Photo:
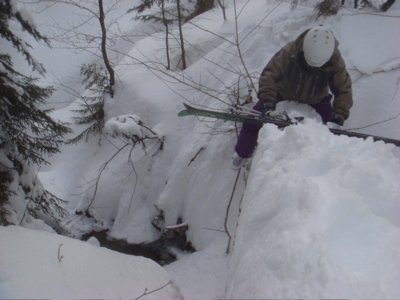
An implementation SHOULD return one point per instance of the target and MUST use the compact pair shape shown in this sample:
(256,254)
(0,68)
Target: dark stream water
(159,250)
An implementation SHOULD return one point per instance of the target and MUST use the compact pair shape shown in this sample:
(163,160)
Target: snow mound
(125,125)
(40,265)
(320,219)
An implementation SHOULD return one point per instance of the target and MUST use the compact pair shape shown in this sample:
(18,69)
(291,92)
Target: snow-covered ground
(318,213)
(42,265)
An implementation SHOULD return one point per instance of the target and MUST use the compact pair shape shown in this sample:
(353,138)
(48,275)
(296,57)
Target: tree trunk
(222,5)
(104,48)
(165,22)
(178,4)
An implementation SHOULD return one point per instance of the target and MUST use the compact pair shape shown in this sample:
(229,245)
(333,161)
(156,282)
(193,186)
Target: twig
(133,141)
(147,292)
(227,213)
(237,42)
(393,67)
(157,67)
(197,154)
(212,33)
(377,71)
(136,175)
(261,21)
(376,123)
(100,173)
(245,177)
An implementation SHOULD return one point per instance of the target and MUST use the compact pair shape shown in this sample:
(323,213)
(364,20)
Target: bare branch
(101,172)
(391,67)
(376,123)
(227,213)
(238,48)
(195,156)
(147,292)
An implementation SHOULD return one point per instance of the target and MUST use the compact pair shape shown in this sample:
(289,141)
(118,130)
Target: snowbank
(40,265)
(319,220)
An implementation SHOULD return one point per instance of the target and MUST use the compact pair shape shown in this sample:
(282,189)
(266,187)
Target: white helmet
(318,46)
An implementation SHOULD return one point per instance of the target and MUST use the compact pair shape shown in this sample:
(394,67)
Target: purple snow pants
(248,136)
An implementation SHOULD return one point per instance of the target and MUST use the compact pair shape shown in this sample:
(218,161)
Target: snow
(312,216)
(39,265)
(198,275)
(126,125)
(318,233)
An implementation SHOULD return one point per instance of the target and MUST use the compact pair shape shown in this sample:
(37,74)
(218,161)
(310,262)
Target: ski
(280,119)
(236,115)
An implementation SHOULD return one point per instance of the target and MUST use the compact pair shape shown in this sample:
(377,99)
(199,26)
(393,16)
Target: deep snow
(319,213)
(42,265)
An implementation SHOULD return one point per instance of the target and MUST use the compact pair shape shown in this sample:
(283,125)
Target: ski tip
(183,113)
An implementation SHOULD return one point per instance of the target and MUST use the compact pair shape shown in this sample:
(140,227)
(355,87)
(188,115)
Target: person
(306,70)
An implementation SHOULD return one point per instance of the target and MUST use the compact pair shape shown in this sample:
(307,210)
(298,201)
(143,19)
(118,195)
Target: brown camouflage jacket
(288,77)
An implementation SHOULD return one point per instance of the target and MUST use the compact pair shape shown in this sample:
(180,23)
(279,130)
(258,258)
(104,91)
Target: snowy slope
(319,212)
(41,265)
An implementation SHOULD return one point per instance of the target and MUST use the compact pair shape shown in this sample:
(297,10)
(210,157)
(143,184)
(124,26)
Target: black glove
(267,105)
(339,120)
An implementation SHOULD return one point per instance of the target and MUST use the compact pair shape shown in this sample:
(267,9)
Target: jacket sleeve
(272,76)
(340,85)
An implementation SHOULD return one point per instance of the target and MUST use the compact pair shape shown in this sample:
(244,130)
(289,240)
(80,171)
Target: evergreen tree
(27,132)
(91,111)
(98,78)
